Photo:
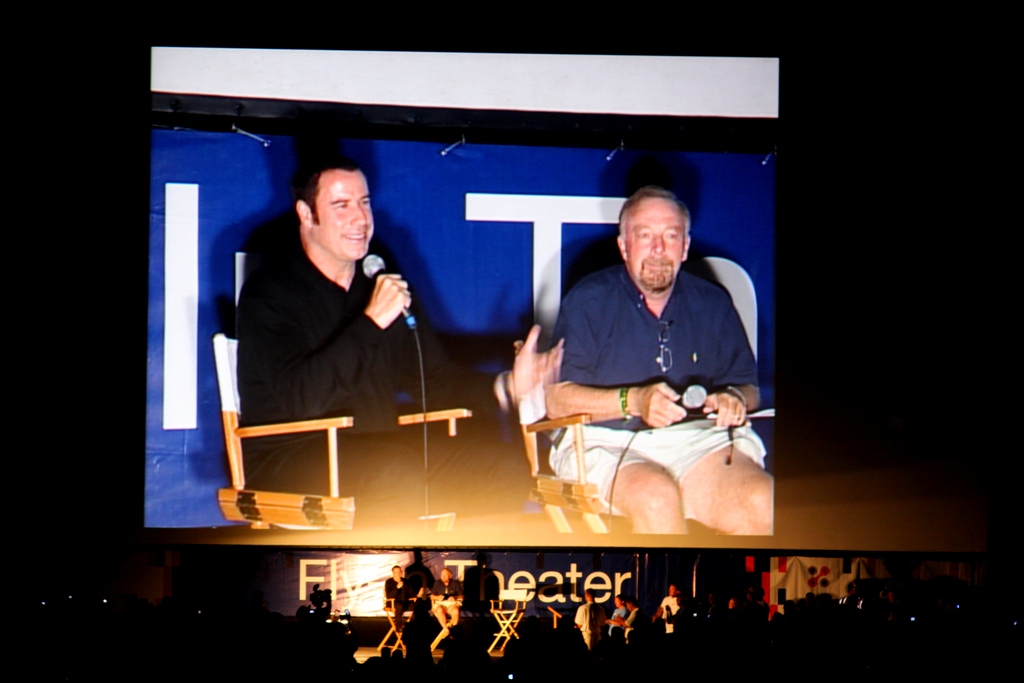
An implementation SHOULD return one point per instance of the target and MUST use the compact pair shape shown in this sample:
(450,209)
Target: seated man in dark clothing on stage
(398,590)
(320,338)
(636,337)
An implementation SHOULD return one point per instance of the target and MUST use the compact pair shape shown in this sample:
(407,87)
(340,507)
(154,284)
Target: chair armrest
(330,424)
(294,427)
(574,421)
(436,416)
(545,425)
(530,435)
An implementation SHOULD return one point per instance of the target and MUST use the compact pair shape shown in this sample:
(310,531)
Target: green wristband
(623,394)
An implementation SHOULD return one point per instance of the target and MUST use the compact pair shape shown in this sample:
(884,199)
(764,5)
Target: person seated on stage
(636,337)
(447,597)
(590,620)
(395,588)
(319,337)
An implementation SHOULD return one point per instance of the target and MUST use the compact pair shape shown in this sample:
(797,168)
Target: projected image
(386,343)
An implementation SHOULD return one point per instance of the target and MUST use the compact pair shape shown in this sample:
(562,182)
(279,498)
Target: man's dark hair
(306,180)
(589,592)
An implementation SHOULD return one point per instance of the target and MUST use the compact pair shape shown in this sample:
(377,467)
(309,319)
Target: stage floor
(364,653)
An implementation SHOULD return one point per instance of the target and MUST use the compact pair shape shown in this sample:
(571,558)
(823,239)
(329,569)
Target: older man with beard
(635,338)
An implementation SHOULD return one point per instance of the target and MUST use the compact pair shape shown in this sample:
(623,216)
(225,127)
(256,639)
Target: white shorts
(676,448)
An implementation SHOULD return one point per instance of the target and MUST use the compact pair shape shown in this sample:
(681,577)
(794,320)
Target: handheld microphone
(694,397)
(374,265)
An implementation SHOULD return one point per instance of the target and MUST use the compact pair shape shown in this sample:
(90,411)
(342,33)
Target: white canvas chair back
(518,594)
(737,282)
(225,355)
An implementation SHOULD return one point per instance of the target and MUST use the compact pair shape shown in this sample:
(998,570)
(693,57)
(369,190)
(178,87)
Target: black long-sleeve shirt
(306,350)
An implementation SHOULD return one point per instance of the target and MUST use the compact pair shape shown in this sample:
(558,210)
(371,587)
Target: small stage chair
(444,631)
(389,610)
(507,617)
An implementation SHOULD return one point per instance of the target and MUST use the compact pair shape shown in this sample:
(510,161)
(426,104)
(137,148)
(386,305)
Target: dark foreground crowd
(888,629)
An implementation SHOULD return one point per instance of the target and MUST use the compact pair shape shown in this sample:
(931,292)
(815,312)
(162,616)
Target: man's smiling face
(339,228)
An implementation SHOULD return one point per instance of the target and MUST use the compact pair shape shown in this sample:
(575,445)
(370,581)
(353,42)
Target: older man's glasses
(664,358)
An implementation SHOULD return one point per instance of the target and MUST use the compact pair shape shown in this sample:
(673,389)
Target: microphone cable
(423,403)
(372,266)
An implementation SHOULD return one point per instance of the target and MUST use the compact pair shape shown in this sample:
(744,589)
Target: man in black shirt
(318,338)
(397,589)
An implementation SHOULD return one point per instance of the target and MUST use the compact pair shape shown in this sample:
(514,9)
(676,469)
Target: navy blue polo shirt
(612,340)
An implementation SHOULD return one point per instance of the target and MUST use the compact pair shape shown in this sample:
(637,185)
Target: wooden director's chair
(558,495)
(507,618)
(389,610)
(265,508)
(444,631)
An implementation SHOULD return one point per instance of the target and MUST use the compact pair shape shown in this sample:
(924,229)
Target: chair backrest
(518,594)
(245,264)
(225,355)
(737,282)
